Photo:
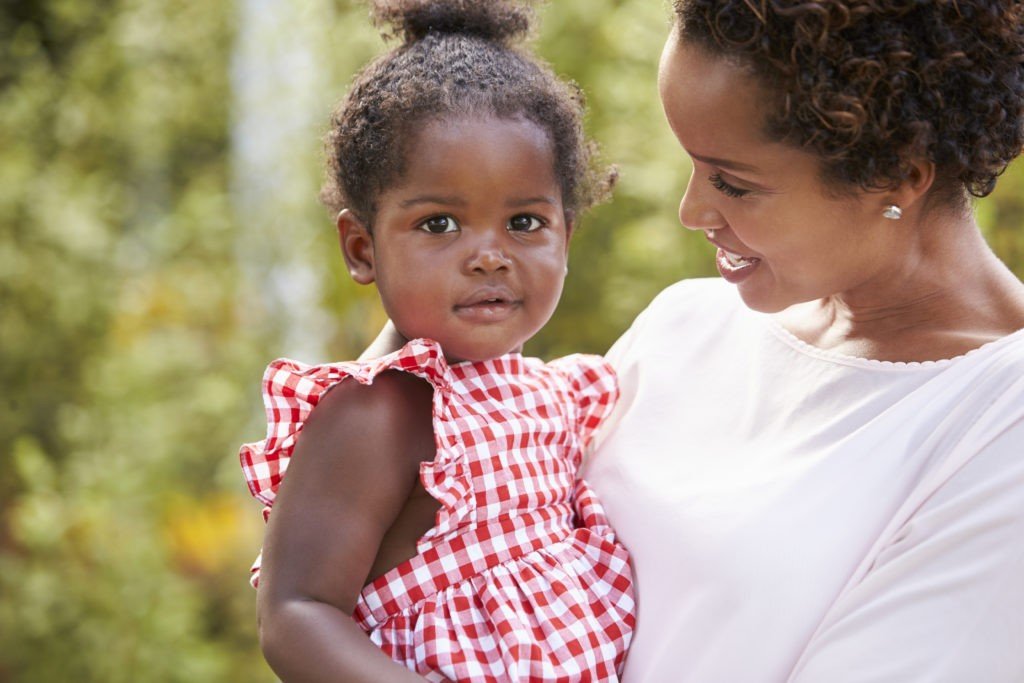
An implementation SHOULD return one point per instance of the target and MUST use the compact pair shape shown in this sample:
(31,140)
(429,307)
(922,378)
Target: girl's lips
(487,311)
(488,305)
(487,294)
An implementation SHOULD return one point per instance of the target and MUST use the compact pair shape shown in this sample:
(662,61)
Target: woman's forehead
(710,100)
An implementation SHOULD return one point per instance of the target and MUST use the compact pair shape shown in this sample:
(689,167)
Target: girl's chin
(473,351)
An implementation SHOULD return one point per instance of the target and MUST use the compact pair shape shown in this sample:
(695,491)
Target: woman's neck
(953,295)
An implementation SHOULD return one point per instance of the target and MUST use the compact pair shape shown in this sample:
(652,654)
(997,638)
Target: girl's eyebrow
(432,199)
(527,201)
(459,201)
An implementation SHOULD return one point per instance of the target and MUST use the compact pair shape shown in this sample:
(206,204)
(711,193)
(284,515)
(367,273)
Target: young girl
(432,503)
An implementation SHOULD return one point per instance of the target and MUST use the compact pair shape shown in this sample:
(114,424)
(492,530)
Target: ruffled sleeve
(595,390)
(292,389)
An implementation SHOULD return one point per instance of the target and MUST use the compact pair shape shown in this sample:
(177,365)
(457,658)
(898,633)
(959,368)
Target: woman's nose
(695,212)
(487,255)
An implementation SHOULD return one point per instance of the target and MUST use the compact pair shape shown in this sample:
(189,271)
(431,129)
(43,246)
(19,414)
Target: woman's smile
(732,266)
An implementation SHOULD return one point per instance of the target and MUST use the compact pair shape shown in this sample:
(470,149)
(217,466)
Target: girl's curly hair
(456,58)
(869,85)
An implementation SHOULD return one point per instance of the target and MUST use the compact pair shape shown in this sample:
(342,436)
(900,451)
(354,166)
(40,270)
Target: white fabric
(798,515)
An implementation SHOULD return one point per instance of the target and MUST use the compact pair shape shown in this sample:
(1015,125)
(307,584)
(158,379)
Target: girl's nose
(695,212)
(487,256)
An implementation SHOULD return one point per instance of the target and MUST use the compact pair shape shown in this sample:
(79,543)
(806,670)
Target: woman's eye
(525,223)
(725,188)
(439,224)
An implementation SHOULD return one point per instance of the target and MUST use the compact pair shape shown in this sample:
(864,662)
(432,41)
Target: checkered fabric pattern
(521,578)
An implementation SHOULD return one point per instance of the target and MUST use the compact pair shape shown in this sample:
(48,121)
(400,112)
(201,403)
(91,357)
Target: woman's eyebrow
(724,163)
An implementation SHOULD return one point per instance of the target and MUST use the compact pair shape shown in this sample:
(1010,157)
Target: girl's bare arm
(354,466)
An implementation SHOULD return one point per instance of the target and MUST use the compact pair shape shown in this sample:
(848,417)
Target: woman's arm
(945,600)
(389,340)
(355,464)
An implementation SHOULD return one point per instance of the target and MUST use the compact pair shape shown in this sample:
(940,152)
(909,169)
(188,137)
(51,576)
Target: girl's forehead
(480,130)
(476,160)
(491,145)
(474,163)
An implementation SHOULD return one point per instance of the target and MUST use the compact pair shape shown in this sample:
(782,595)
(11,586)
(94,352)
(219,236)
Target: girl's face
(469,248)
(782,239)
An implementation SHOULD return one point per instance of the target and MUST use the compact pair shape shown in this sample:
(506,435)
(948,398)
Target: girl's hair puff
(457,58)
(870,85)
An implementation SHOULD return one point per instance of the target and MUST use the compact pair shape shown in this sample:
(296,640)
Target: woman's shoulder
(707,298)
(696,307)
(697,290)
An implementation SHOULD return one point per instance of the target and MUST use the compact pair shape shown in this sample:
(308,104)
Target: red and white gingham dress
(521,578)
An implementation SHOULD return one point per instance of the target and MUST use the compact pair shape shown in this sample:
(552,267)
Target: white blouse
(799,515)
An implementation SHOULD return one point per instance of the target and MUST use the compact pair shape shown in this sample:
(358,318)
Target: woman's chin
(767,298)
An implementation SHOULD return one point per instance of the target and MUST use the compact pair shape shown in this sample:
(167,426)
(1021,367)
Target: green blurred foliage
(142,290)
(124,363)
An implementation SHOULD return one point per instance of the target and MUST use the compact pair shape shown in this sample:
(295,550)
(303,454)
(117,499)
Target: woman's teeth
(735,260)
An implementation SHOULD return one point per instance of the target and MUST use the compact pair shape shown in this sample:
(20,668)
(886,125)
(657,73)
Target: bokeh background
(161,242)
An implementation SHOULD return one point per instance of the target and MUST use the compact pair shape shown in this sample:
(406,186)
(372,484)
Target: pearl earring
(710,234)
(893,212)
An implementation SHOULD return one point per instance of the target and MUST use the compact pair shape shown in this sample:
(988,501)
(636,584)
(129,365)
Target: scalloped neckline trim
(509,364)
(805,348)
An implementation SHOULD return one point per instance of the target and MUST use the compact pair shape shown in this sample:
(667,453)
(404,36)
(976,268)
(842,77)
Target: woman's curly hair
(869,85)
(457,58)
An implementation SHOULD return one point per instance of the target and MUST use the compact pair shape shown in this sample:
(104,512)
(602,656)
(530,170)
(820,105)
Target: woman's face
(782,238)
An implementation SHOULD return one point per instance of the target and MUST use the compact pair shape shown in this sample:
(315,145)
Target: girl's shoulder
(292,389)
(421,357)
(581,367)
(588,376)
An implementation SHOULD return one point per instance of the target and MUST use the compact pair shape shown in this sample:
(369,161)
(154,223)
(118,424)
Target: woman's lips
(732,266)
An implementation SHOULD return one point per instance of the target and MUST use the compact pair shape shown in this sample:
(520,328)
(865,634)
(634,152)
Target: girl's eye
(525,223)
(725,188)
(438,225)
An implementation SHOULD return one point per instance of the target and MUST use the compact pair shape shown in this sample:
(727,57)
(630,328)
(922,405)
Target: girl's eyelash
(451,225)
(540,221)
(425,224)
(725,188)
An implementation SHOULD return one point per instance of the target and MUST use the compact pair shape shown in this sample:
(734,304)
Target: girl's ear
(357,247)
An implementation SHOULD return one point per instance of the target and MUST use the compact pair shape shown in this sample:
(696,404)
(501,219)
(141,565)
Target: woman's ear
(914,187)
(357,247)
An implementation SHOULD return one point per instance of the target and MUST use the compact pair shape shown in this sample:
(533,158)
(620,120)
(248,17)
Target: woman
(817,461)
